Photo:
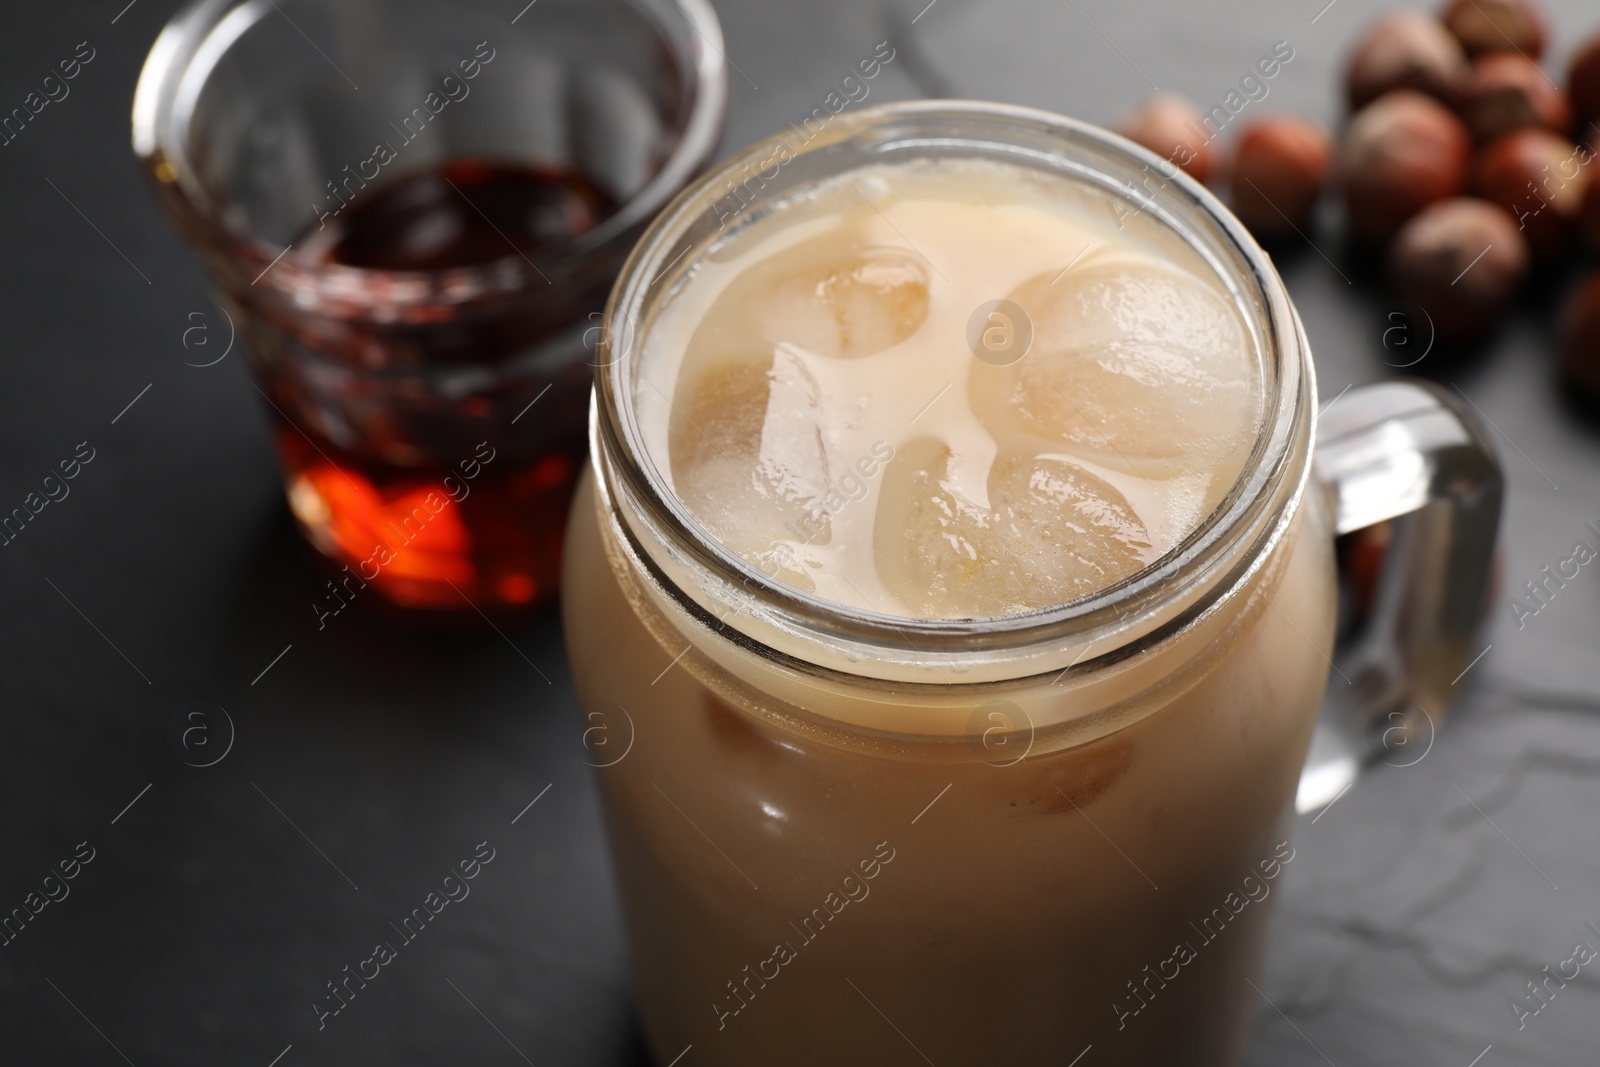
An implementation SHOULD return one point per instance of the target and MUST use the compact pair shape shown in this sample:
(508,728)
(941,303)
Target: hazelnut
(1580,337)
(1402,152)
(1583,80)
(1405,50)
(1538,176)
(1279,172)
(1496,26)
(1506,91)
(1173,128)
(1461,260)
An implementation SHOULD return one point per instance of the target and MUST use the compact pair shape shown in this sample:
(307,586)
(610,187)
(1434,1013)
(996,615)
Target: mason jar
(849,838)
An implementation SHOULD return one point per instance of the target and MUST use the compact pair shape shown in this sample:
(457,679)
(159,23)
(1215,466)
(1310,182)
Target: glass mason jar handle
(1415,490)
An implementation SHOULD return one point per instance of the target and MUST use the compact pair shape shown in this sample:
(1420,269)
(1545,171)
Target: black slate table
(211,904)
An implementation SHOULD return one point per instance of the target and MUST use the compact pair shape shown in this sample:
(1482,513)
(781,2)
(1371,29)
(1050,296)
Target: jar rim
(1225,548)
(203,30)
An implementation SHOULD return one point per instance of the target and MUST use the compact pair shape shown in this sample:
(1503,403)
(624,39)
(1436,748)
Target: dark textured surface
(207,922)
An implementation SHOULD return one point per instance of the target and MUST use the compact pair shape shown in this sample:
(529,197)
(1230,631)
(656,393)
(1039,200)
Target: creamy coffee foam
(815,395)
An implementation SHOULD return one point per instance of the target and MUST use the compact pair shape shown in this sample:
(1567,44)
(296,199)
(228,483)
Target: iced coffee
(950,615)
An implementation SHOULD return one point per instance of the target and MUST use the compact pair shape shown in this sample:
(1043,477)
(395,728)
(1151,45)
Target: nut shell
(1496,26)
(1405,50)
(1580,337)
(1401,153)
(1280,169)
(1462,260)
(1583,80)
(1506,92)
(1539,177)
(1172,127)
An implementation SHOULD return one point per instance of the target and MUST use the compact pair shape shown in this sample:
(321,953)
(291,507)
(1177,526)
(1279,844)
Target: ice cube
(832,296)
(745,436)
(876,298)
(1053,532)
(747,457)
(1133,364)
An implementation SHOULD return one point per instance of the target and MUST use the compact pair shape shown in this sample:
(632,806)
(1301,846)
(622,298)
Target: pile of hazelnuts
(1463,163)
